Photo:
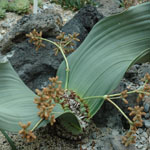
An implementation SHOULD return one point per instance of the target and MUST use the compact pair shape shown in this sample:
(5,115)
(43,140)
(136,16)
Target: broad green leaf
(16,101)
(70,123)
(113,45)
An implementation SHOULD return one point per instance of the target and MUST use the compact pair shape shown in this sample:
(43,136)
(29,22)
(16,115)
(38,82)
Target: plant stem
(65,58)
(94,97)
(119,94)
(143,92)
(130,122)
(37,124)
(131,92)
(115,96)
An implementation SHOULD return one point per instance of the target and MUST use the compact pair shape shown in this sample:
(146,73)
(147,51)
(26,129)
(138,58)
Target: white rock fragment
(144,134)
(1,37)
(140,146)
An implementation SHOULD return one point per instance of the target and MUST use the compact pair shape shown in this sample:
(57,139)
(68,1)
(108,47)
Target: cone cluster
(66,42)
(47,99)
(27,134)
(35,39)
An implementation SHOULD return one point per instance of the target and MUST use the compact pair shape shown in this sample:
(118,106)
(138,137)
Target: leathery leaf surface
(112,46)
(16,101)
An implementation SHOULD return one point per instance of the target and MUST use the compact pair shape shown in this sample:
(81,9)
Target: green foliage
(4,4)
(2,13)
(99,64)
(19,6)
(73,4)
(14,93)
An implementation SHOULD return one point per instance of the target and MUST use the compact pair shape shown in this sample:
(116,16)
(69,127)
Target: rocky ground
(106,128)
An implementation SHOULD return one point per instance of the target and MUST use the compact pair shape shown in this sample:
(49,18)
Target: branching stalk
(119,94)
(65,58)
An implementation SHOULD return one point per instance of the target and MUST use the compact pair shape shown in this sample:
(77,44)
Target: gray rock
(6,25)
(48,23)
(116,144)
(131,74)
(146,107)
(144,68)
(83,22)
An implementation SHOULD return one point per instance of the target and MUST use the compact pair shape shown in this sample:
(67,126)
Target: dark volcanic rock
(36,67)
(83,22)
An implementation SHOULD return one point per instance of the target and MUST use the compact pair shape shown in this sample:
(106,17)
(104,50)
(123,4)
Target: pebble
(146,107)
(3,31)
(144,134)
(139,131)
(143,140)
(45,7)
(94,135)
(147,123)
(140,146)
(147,116)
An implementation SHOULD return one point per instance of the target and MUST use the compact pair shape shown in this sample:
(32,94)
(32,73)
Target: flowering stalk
(62,46)
(66,61)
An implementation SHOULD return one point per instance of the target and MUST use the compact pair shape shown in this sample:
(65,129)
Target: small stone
(147,123)
(139,131)
(143,140)
(147,116)
(45,7)
(3,32)
(146,107)
(144,134)
(94,135)
(140,146)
